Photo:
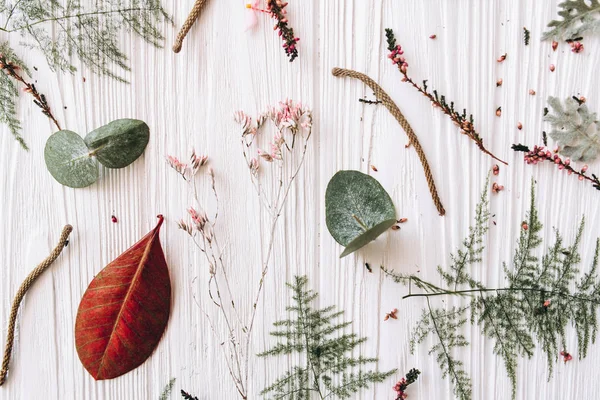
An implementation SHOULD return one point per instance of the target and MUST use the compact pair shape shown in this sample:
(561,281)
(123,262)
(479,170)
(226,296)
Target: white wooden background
(188,100)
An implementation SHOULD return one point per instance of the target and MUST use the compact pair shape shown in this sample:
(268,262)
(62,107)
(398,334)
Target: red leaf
(125,310)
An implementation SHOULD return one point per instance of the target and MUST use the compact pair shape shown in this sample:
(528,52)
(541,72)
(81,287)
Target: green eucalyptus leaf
(68,160)
(119,143)
(357,209)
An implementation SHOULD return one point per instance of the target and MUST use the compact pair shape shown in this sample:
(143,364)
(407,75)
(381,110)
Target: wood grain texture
(188,100)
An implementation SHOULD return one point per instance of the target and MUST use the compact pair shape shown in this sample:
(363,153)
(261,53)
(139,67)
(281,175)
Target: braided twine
(187,25)
(381,95)
(27,283)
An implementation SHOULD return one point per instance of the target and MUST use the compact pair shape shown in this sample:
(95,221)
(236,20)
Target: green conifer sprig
(326,368)
(543,296)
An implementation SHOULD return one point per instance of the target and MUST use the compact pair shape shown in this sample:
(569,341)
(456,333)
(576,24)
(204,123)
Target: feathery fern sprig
(9,92)
(542,298)
(166,393)
(90,33)
(578,18)
(326,368)
(62,30)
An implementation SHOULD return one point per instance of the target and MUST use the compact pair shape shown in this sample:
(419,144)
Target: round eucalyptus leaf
(119,143)
(357,209)
(68,160)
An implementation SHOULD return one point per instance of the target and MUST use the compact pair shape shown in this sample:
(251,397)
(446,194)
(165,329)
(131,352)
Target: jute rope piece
(21,293)
(386,100)
(187,25)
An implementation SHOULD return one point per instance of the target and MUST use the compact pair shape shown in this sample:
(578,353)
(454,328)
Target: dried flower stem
(387,101)
(294,124)
(11,69)
(466,124)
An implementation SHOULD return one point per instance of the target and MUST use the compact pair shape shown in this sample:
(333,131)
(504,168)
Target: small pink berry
(552,67)
(584,169)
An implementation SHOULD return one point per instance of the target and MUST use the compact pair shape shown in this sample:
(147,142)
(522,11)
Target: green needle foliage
(325,365)
(166,393)
(542,297)
(9,93)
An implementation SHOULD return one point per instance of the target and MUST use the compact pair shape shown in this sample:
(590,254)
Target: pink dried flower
(177,165)
(554,45)
(265,155)
(397,59)
(496,169)
(197,162)
(502,58)
(432,37)
(497,188)
(576,47)
(252,18)
(254,166)
(552,67)
(249,125)
(532,92)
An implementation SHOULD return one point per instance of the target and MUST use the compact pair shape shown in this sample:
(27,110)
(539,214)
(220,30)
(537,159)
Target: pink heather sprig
(397,59)
(276,9)
(541,154)
(462,120)
(401,386)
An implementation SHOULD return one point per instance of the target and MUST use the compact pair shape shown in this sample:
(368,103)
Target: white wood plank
(188,100)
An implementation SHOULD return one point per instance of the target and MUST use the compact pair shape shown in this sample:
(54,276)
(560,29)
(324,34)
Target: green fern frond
(326,367)
(472,246)
(445,326)
(89,33)
(542,299)
(578,18)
